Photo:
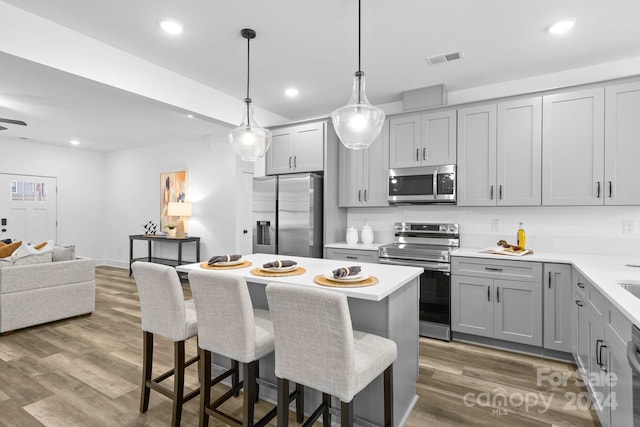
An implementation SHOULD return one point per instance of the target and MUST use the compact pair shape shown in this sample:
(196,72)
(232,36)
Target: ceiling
(309,45)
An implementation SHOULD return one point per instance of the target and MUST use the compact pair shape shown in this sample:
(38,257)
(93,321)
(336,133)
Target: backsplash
(570,229)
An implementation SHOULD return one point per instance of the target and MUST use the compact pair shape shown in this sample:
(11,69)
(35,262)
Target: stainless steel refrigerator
(287,215)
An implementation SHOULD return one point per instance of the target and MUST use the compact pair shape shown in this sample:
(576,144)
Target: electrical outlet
(629,226)
(495,225)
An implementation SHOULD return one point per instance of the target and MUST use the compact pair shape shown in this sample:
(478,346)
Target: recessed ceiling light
(190,116)
(291,92)
(170,26)
(74,142)
(562,27)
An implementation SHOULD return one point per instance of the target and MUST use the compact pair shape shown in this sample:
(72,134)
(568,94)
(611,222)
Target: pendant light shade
(249,140)
(358,123)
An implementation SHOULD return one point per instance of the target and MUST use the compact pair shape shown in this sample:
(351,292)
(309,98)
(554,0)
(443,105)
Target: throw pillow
(23,251)
(2,244)
(8,250)
(64,253)
(40,245)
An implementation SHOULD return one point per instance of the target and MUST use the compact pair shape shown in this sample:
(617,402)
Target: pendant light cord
(359,37)
(248,100)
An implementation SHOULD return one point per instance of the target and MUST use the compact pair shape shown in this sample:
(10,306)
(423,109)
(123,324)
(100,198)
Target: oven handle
(432,266)
(632,356)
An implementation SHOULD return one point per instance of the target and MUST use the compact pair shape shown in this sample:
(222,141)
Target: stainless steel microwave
(425,184)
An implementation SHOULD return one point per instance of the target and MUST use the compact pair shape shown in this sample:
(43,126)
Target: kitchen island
(388,309)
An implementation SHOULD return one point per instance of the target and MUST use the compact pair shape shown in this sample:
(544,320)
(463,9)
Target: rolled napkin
(223,258)
(346,271)
(279,264)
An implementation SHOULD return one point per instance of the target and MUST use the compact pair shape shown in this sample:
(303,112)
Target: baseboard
(513,347)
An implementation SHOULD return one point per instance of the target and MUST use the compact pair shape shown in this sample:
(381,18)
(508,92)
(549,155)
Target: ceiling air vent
(447,57)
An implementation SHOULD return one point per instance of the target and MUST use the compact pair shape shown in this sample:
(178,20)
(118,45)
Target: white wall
(81,200)
(575,229)
(133,195)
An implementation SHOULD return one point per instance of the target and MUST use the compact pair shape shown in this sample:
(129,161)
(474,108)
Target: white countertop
(604,271)
(359,246)
(390,277)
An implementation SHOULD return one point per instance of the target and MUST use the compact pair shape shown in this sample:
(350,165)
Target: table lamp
(181,210)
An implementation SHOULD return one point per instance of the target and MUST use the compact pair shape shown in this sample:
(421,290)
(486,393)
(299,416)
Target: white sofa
(40,293)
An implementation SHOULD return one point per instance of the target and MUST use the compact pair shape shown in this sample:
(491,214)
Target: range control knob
(453,228)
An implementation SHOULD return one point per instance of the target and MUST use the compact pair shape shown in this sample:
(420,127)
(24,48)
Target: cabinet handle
(424,154)
(598,352)
(498,294)
(598,196)
(295,161)
(365,194)
(500,191)
(549,280)
(488,293)
(289,162)
(359,195)
(492,269)
(492,192)
(610,189)
(579,303)
(580,285)
(351,257)
(417,154)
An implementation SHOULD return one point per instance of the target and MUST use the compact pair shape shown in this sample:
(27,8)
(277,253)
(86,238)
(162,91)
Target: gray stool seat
(315,345)
(164,312)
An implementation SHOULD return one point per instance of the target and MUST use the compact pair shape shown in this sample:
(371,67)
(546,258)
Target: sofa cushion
(64,253)
(6,262)
(25,277)
(8,250)
(37,258)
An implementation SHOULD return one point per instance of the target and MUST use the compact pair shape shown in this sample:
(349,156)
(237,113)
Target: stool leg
(326,412)
(388,396)
(300,403)
(178,382)
(147,365)
(249,393)
(283,402)
(257,385)
(235,377)
(346,414)
(205,386)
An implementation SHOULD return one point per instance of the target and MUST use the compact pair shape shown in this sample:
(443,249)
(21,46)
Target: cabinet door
(573,148)
(351,172)
(477,156)
(518,312)
(580,327)
(596,386)
(308,147)
(519,152)
(279,158)
(622,150)
(558,307)
(375,177)
(439,138)
(405,141)
(619,399)
(472,305)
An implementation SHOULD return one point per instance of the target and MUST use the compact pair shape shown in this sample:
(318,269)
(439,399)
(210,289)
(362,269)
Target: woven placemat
(321,280)
(259,272)
(243,264)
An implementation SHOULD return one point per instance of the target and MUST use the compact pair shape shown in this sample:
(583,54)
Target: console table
(150,238)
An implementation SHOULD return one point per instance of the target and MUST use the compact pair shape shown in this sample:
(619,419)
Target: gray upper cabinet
(573,148)
(363,174)
(298,148)
(622,147)
(499,154)
(558,307)
(423,140)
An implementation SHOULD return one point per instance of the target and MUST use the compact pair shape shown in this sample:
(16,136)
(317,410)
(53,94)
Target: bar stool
(164,312)
(316,346)
(228,325)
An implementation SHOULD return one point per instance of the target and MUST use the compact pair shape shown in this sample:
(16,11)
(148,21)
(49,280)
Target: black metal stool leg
(147,365)
(205,386)
(249,382)
(178,383)
(346,414)
(235,377)
(326,413)
(388,396)
(300,403)
(283,402)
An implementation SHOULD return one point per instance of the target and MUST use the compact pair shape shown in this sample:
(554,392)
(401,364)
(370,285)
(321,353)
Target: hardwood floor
(86,372)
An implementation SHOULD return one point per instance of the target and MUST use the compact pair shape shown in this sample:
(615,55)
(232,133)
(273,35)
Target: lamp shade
(179,209)
(358,123)
(249,140)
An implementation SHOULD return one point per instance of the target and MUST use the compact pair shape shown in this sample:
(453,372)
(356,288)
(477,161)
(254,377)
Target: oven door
(434,298)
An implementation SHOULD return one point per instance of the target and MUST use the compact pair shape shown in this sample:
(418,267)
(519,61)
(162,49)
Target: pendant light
(249,140)
(358,123)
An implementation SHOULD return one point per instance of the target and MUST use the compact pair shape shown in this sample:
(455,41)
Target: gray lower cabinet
(352,255)
(558,328)
(599,348)
(497,299)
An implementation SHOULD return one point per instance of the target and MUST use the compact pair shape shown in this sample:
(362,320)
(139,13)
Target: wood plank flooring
(86,372)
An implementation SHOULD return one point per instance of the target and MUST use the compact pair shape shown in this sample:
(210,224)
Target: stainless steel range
(427,245)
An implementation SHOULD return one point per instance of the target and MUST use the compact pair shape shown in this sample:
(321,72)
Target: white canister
(352,235)
(367,234)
